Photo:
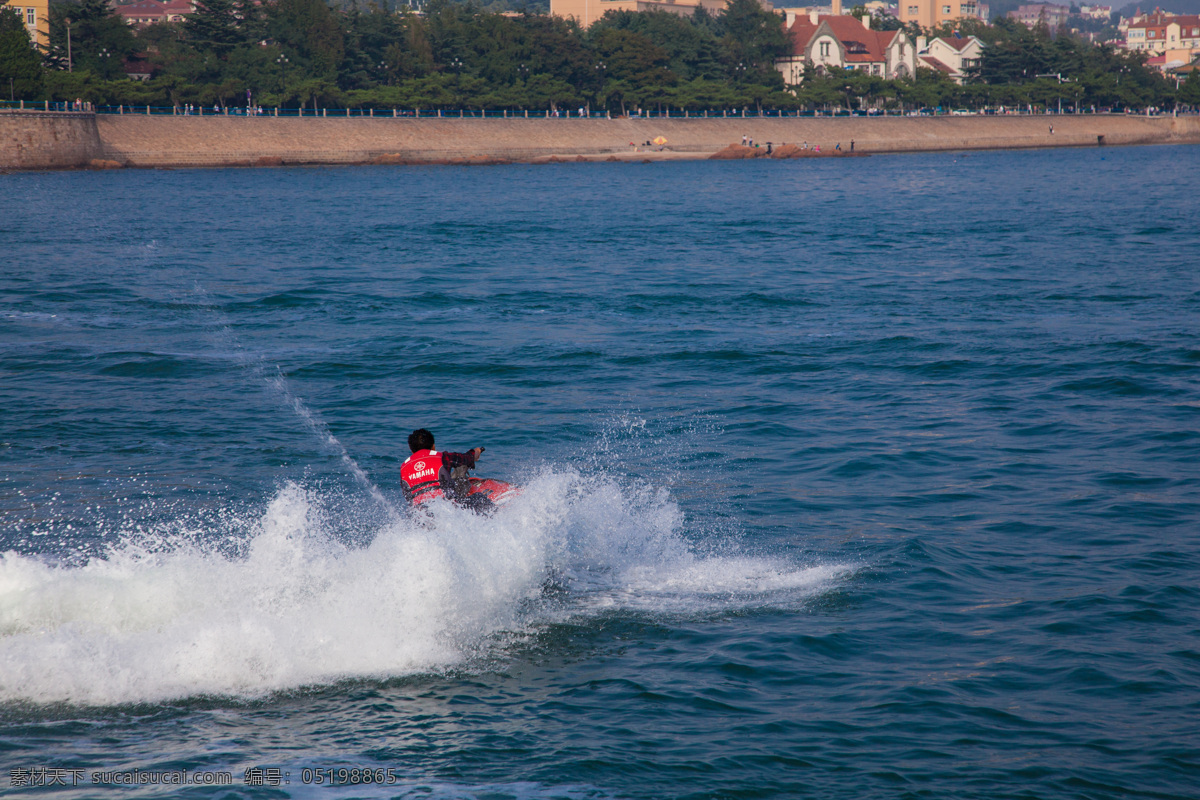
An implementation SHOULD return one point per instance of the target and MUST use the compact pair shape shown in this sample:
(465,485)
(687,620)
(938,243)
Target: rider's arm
(466,459)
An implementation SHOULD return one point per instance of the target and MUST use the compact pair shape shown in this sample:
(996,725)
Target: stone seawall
(151,141)
(47,139)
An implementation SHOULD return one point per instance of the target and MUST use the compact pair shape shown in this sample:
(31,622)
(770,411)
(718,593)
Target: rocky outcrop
(736,152)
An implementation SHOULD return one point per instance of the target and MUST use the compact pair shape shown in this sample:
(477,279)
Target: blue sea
(846,478)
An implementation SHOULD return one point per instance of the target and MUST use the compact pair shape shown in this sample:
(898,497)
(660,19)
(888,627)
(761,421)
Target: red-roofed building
(149,12)
(1051,15)
(1161,32)
(955,56)
(1175,38)
(929,62)
(843,42)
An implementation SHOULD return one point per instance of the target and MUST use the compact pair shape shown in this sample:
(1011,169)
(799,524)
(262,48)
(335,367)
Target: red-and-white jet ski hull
(498,492)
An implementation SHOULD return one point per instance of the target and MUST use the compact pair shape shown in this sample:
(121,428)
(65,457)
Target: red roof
(1161,19)
(933,63)
(801,33)
(958,43)
(153,8)
(861,44)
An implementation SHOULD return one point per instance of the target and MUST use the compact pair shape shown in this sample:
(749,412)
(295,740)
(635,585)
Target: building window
(912,11)
(824,49)
(31,16)
(946,10)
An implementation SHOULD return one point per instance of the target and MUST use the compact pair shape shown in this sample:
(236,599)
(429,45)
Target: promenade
(49,140)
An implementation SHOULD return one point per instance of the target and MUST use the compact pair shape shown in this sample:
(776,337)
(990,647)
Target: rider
(428,474)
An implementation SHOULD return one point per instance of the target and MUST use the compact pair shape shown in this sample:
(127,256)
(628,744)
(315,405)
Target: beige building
(1173,41)
(36,14)
(844,42)
(1049,14)
(588,11)
(1099,13)
(953,56)
(932,13)
(150,12)
(1160,32)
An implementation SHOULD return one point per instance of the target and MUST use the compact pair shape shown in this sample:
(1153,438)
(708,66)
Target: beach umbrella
(661,140)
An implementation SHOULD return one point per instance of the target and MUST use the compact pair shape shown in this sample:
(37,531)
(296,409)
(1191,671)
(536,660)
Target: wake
(293,606)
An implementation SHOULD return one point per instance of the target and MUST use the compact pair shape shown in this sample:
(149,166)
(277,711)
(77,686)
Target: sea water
(842,478)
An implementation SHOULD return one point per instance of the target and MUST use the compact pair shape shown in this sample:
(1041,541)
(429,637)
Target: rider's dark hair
(420,439)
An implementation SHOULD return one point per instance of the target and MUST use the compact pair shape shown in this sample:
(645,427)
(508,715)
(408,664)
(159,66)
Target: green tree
(691,49)
(631,57)
(20,65)
(1189,90)
(309,33)
(100,40)
(216,26)
(751,39)
(380,48)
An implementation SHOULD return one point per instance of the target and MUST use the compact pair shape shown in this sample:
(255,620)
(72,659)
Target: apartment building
(932,13)
(36,15)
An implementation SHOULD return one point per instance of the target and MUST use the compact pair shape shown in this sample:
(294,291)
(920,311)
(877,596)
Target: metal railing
(193,110)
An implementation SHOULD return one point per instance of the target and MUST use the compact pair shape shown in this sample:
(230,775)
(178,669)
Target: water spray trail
(271,376)
(321,431)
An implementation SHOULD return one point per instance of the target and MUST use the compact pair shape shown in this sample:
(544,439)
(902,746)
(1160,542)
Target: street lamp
(1061,80)
(282,61)
(601,71)
(69,66)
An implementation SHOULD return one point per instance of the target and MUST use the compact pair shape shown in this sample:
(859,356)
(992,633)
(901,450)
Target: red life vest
(419,472)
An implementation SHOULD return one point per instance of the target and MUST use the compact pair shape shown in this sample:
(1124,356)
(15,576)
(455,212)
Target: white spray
(295,607)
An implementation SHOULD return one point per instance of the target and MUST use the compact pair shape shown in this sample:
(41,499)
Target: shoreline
(31,140)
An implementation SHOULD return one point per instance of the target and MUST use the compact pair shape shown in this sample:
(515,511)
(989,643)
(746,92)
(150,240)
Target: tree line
(294,53)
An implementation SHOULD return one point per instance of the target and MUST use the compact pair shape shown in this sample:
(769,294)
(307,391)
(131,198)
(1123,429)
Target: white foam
(150,622)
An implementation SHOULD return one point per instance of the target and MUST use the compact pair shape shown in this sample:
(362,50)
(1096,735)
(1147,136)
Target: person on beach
(428,474)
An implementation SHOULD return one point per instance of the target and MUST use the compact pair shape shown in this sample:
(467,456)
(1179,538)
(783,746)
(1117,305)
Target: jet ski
(498,492)
(482,495)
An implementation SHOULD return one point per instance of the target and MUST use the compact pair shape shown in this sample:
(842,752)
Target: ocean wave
(291,604)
